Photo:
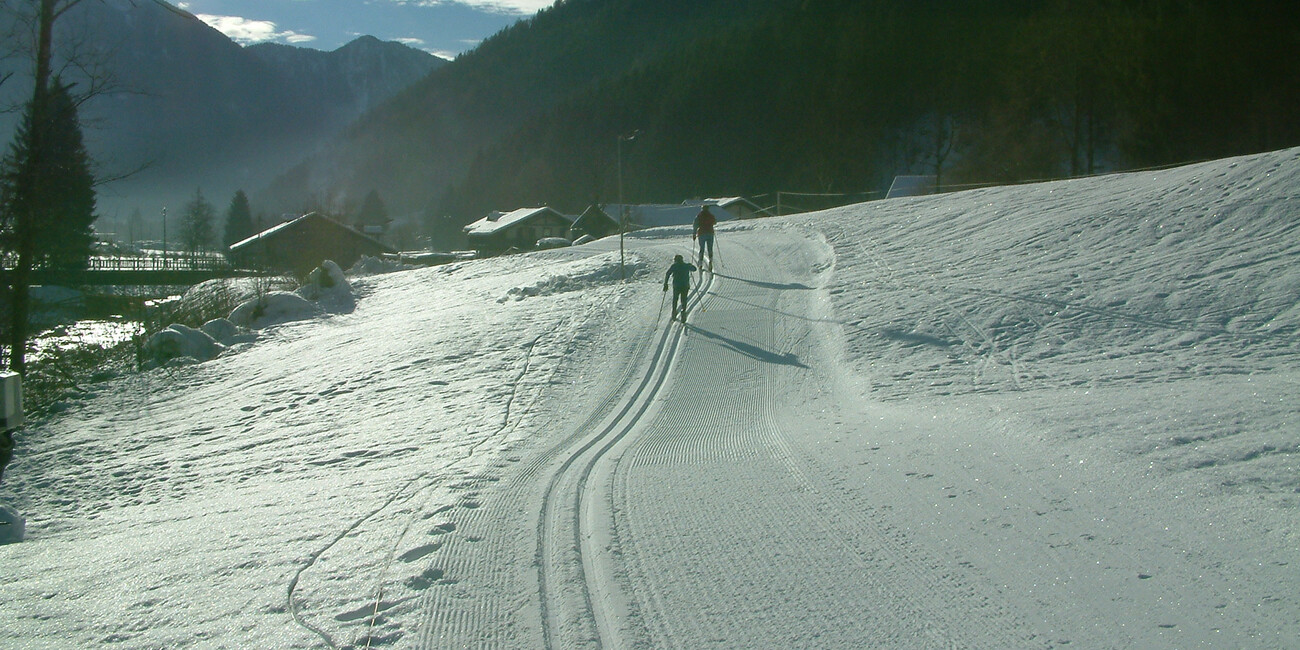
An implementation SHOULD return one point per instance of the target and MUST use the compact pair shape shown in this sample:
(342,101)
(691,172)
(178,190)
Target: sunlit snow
(1061,413)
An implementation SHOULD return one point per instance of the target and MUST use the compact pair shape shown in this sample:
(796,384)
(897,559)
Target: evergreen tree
(52,183)
(47,203)
(196,223)
(239,220)
(373,212)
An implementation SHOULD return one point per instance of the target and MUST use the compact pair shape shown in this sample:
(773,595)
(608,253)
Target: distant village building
(521,229)
(593,223)
(912,186)
(657,216)
(301,244)
(738,206)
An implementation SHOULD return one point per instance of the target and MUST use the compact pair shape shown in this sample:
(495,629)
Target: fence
(160,262)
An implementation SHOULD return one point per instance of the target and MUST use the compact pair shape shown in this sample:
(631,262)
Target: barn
(521,229)
(300,245)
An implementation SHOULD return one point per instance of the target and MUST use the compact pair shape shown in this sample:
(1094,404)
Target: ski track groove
(459,615)
(687,438)
(560,621)
(594,449)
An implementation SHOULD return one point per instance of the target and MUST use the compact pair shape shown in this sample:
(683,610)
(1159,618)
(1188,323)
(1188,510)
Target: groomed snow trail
(761,553)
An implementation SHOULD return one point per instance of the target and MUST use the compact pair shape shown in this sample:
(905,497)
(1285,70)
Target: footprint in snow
(425,580)
(419,552)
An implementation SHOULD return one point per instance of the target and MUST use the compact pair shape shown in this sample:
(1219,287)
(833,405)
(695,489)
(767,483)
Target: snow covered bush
(226,332)
(179,341)
(327,286)
(272,308)
(325,290)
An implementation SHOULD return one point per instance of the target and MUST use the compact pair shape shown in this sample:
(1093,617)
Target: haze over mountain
(197,111)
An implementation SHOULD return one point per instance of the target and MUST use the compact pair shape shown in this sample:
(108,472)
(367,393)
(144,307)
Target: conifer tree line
(842,95)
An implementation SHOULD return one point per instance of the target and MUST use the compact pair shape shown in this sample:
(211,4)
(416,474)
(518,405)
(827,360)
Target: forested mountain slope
(820,95)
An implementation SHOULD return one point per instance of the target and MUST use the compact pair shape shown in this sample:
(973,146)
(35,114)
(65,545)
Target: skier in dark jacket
(703,231)
(680,272)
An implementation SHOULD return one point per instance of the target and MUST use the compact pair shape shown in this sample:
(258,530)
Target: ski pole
(660,313)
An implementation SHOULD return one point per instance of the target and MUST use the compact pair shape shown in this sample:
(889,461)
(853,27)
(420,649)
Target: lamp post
(164,225)
(622,207)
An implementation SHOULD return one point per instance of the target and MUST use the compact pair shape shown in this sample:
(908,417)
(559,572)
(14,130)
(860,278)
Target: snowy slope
(1016,417)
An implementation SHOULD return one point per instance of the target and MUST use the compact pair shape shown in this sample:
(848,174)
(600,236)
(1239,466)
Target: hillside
(1052,415)
(412,147)
(827,96)
(196,110)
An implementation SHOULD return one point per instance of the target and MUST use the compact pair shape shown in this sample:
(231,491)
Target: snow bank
(368,265)
(12,525)
(578,276)
(271,309)
(180,342)
(552,242)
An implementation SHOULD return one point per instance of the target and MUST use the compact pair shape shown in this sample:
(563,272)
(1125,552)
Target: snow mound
(577,276)
(326,290)
(179,341)
(368,265)
(328,286)
(272,309)
(227,333)
(553,242)
(12,525)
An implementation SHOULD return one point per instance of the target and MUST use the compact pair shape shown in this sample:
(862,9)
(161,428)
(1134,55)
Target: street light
(622,207)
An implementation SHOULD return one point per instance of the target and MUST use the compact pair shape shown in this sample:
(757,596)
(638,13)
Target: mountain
(413,147)
(197,110)
(819,96)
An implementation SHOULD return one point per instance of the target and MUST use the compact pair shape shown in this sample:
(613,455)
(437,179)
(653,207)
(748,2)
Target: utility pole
(622,207)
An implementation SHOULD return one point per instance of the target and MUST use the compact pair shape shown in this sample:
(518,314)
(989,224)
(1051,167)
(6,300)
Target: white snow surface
(1018,417)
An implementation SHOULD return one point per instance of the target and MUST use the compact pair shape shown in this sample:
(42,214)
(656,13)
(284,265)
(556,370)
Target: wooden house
(522,229)
(301,244)
(594,223)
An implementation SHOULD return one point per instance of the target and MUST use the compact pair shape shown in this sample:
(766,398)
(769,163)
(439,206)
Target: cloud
(246,31)
(510,7)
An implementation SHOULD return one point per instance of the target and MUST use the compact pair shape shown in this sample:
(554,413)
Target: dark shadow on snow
(767,285)
(804,317)
(749,350)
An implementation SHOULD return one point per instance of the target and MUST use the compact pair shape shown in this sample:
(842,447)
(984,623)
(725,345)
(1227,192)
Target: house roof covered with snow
(497,221)
(657,215)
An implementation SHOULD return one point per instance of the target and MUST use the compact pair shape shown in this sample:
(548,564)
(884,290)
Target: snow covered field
(1020,417)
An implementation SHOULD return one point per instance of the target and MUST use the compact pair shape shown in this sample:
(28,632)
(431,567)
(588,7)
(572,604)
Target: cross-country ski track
(779,540)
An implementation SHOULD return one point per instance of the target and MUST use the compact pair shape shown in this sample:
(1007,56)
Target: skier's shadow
(767,285)
(750,350)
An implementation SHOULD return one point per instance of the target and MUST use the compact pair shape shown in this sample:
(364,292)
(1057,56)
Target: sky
(1051,415)
(442,27)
